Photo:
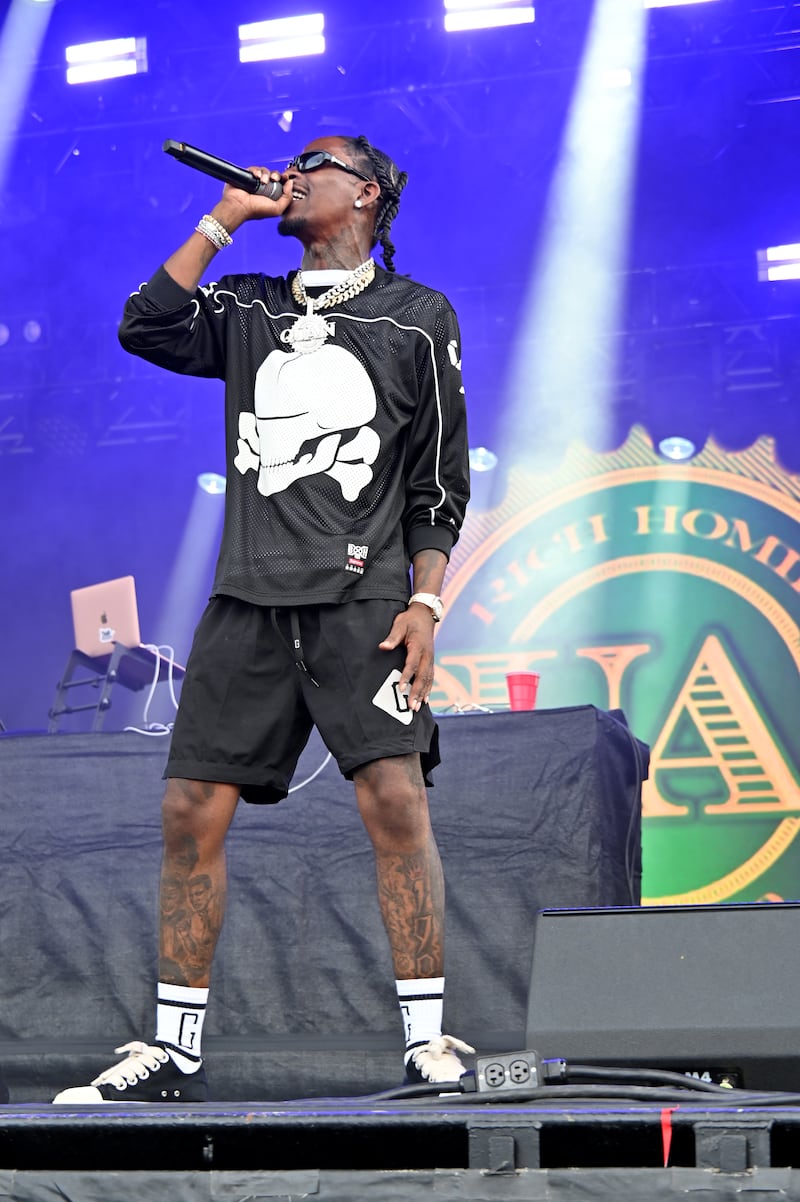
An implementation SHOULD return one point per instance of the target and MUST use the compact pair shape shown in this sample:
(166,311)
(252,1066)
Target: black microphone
(238,177)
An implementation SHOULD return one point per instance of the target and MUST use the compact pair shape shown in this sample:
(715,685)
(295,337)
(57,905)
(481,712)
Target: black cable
(399,1093)
(688,1094)
(666,1087)
(655,1076)
(593,1096)
(619,1084)
(443,1094)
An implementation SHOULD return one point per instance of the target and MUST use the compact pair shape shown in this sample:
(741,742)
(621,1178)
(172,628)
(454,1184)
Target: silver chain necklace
(310,331)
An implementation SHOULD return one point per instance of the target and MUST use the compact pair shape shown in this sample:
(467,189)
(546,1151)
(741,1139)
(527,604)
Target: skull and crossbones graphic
(311,416)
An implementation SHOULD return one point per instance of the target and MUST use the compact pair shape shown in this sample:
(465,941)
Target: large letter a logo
(714,751)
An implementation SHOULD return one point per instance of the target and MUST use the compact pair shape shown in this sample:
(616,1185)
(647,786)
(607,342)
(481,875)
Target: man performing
(347,466)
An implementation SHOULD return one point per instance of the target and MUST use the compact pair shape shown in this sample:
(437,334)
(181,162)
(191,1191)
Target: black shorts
(251,696)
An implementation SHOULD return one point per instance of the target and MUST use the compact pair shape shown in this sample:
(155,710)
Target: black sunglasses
(310,160)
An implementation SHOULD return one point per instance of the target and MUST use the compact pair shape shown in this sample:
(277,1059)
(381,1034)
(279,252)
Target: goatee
(288,227)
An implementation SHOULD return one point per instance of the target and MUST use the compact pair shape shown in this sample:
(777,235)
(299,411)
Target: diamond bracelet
(214,231)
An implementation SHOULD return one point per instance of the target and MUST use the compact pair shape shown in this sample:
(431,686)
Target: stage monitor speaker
(711,989)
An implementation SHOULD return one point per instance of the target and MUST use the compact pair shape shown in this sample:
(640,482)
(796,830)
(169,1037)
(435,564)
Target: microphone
(238,177)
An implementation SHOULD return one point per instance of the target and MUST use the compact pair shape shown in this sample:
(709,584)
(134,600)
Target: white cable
(154,682)
(313,775)
(469,708)
(157,728)
(170,657)
(170,667)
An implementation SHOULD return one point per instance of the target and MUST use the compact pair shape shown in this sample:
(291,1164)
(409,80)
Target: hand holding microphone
(264,198)
(229,173)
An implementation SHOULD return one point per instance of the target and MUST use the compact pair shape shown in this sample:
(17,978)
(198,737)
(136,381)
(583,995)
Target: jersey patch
(394,703)
(356,557)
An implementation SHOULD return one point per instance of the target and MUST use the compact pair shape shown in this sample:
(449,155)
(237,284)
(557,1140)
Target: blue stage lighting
(22,31)
(90,61)
(617,77)
(561,381)
(484,483)
(483,14)
(481,459)
(671,3)
(677,447)
(211,482)
(780,262)
(286,37)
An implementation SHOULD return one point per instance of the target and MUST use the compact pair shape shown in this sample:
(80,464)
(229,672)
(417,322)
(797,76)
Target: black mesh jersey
(342,461)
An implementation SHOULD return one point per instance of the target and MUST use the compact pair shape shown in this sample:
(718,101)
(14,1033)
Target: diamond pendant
(308,333)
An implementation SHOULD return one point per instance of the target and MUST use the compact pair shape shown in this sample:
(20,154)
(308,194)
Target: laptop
(105,614)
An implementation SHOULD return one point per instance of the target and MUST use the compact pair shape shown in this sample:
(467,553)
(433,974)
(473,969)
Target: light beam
(20,42)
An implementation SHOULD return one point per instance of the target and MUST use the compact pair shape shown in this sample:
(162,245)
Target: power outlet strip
(508,1070)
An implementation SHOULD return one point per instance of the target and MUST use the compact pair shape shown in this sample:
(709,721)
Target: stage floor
(448,1148)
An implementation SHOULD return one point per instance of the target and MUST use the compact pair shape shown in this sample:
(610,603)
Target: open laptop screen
(104,614)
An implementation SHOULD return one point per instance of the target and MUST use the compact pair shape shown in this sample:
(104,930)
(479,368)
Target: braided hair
(391,180)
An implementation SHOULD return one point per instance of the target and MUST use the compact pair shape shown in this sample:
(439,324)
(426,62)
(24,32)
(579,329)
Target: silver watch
(433,603)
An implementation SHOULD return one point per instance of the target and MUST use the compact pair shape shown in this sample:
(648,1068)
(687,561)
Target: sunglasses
(310,160)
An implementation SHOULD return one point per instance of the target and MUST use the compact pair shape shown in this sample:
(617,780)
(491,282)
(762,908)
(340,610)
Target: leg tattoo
(411,896)
(192,908)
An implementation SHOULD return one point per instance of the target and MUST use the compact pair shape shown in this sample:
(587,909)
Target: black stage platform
(532,811)
(403,1151)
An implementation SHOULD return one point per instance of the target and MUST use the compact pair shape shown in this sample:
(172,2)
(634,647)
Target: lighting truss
(91,61)
(285,37)
(485,14)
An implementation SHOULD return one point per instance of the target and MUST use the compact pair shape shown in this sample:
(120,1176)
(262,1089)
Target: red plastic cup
(522,688)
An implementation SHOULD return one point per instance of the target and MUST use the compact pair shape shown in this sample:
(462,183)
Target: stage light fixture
(18,333)
(617,77)
(478,14)
(481,459)
(780,262)
(672,3)
(91,61)
(284,37)
(483,478)
(677,448)
(211,482)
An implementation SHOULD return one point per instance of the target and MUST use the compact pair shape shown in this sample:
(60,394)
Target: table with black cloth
(531,811)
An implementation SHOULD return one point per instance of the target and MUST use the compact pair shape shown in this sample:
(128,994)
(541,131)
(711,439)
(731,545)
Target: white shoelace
(440,1053)
(142,1060)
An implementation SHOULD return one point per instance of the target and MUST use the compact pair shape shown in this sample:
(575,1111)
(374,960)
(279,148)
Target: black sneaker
(436,1061)
(147,1074)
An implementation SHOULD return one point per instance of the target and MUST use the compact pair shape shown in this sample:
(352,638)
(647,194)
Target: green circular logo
(673,593)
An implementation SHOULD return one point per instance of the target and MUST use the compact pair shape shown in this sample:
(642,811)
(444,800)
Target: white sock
(180,1012)
(421,1005)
